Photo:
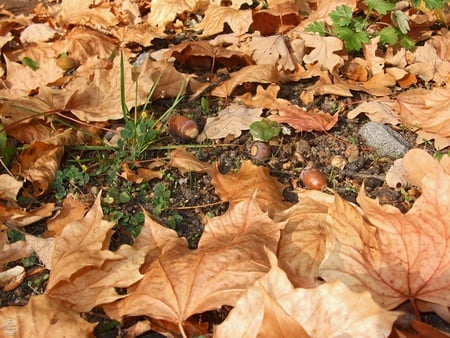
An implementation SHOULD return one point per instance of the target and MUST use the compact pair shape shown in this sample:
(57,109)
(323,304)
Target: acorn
(260,151)
(313,178)
(183,127)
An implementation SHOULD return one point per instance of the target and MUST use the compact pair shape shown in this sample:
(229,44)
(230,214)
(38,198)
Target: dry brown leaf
(18,217)
(251,74)
(84,273)
(204,56)
(324,7)
(22,78)
(263,98)
(73,209)
(302,120)
(38,164)
(82,43)
(230,122)
(140,174)
(270,50)
(379,110)
(216,16)
(165,11)
(302,244)
(273,308)
(426,109)
(9,187)
(395,256)
(182,282)
(10,252)
(141,34)
(37,32)
(278,18)
(440,142)
(186,162)
(12,278)
(238,186)
(374,62)
(323,52)
(79,12)
(44,316)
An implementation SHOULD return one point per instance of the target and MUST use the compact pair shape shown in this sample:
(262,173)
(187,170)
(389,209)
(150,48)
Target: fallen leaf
(38,164)
(73,209)
(426,109)
(278,18)
(250,74)
(79,12)
(19,217)
(44,316)
(37,32)
(216,16)
(230,122)
(264,98)
(302,244)
(9,187)
(379,110)
(301,120)
(84,273)
(12,278)
(186,162)
(229,258)
(323,50)
(273,308)
(10,252)
(238,186)
(395,256)
(165,11)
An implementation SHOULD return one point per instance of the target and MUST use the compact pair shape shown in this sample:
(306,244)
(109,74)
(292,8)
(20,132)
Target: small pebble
(384,139)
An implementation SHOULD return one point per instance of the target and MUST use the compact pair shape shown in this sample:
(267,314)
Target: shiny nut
(183,127)
(260,151)
(313,178)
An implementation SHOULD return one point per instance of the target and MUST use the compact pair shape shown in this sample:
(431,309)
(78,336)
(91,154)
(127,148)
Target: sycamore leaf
(426,109)
(84,273)
(323,52)
(395,256)
(186,162)
(18,217)
(38,164)
(9,187)
(302,244)
(251,74)
(273,308)
(216,16)
(302,120)
(44,316)
(79,12)
(182,282)
(238,186)
(165,11)
(230,122)
(379,110)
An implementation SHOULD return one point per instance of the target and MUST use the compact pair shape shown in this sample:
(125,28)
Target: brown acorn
(183,127)
(260,151)
(313,178)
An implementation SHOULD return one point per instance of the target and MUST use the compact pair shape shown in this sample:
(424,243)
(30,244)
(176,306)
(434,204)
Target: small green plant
(161,196)
(69,180)
(354,29)
(7,152)
(264,130)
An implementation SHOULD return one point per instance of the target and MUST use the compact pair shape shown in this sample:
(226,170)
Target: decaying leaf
(302,120)
(395,256)
(44,316)
(186,162)
(239,186)
(9,187)
(273,308)
(229,258)
(84,273)
(323,52)
(216,16)
(230,122)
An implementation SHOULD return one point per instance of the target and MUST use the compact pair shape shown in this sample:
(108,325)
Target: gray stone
(384,139)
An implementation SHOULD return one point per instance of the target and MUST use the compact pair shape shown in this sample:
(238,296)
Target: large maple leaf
(181,282)
(397,257)
(273,308)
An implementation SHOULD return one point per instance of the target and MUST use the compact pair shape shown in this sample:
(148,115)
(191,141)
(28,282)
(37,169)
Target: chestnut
(183,127)
(313,178)
(260,151)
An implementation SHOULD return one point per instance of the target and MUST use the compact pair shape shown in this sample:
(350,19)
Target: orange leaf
(43,316)
(397,257)
(302,120)
(237,187)
(229,258)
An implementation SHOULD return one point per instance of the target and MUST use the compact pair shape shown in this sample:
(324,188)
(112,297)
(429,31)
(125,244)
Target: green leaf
(341,16)
(388,35)
(353,40)
(316,27)
(380,6)
(400,20)
(264,130)
(407,42)
(416,3)
(434,4)
(30,63)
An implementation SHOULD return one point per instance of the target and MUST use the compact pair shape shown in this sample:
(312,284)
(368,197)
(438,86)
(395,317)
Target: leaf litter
(283,259)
